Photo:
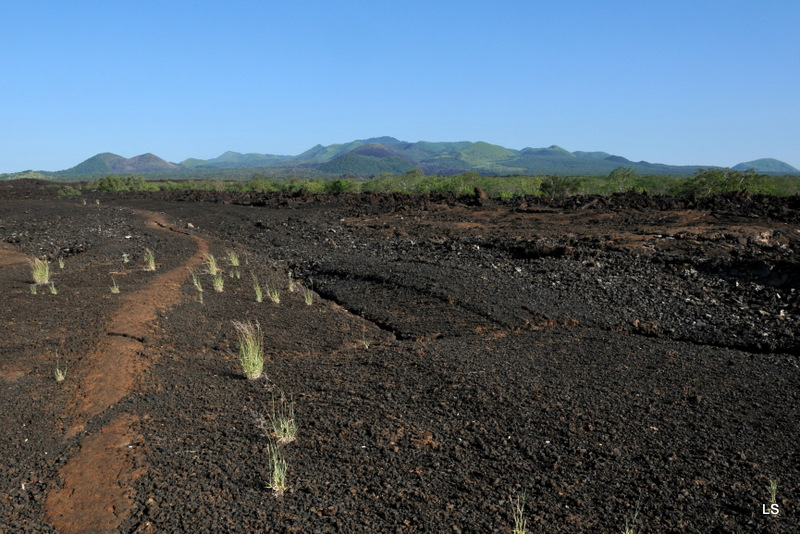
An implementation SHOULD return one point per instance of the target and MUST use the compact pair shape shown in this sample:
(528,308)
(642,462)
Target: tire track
(95,495)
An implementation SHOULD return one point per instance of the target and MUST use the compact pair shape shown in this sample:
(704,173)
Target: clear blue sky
(679,82)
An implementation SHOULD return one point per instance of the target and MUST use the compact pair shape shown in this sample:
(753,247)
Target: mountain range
(369,157)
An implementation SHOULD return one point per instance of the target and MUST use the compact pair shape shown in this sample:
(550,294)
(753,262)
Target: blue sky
(678,82)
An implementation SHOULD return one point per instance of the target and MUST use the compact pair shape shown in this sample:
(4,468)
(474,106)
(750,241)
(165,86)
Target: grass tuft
(211,265)
(251,348)
(196,282)
(284,428)
(274,295)
(218,283)
(773,491)
(40,271)
(520,523)
(233,259)
(630,526)
(60,262)
(60,374)
(308,295)
(114,286)
(33,289)
(53,290)
(149,260)
(257,289)
(278,468)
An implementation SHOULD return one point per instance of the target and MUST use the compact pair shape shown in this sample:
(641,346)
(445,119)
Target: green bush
(68,191)
(715,181)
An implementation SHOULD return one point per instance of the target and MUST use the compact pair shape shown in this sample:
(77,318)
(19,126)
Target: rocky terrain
(613,361)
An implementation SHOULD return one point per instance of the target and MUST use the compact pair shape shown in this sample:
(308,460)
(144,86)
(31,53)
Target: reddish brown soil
(595,354)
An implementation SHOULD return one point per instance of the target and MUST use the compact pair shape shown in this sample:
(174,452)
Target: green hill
(365,166)
(99,164)
(766,165)
(376,155)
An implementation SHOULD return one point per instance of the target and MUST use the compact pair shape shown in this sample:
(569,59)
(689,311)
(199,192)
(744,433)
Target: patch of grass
(773,491)
(274,295)
(520,523)
(196,282)
(281,426)
(33,289)
(53,290)
(60,262)
(60,374)
(125,258)
(251,348)
(284,428)
(278,469)
(114,286)
(257,289)
(211,265)
(149,260)
(364,340)
(233,259)
(218,283)
(308,295)
(40,271)
(630,526)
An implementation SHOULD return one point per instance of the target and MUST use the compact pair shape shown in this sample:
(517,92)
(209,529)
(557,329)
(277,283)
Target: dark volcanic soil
(597,355)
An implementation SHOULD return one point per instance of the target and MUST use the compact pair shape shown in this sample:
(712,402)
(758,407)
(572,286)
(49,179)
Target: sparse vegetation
(40,271)
(32,287)
(60,374)
(274,295)
(520,523)
(284,428)
(218,283)
(281,426)
(125,258)
(114,286)
(257,289)
(233,259)
(149,260)
(364,340)
(308,295)
(278,470)
(211,265)
(53,290)
(61,262)
(251,349)
(196,282)
(630,524)
(773,491)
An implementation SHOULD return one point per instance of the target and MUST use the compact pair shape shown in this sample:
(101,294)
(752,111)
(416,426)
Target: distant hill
(767,165)
(376,155)
(108,163)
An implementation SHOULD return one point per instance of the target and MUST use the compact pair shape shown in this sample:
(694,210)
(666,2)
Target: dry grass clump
(211,265)
(40,271)
(60,374)
(149,260)
(520,523)
(257,289)
(218,283)
(279,467)
(251,348)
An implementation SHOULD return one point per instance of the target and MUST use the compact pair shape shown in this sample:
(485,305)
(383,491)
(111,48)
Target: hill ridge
(375,155)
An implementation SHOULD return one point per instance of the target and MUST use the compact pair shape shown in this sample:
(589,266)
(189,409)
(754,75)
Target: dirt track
(593,353)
